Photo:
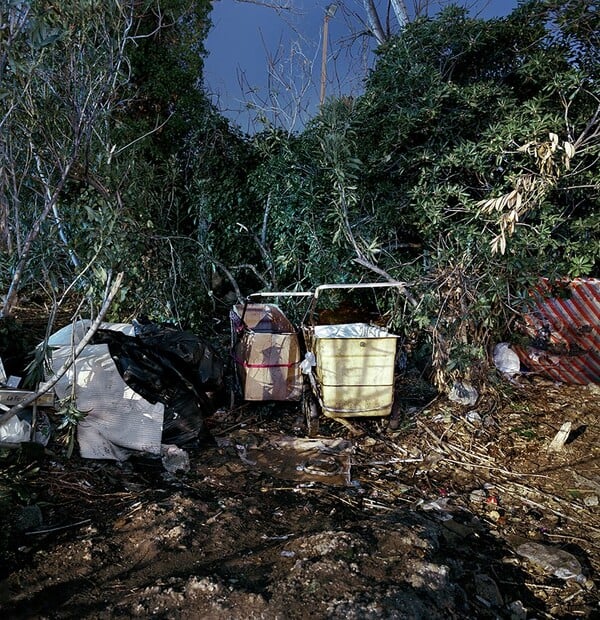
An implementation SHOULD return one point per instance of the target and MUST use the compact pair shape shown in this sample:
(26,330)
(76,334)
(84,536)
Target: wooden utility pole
(329,13)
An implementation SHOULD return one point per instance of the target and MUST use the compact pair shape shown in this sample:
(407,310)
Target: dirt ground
(446,511)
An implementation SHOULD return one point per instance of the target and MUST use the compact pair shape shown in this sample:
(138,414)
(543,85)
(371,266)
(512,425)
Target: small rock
(594,388)
(478,496)
(590,500)
(517,611)
(488,590)
(489,422)
(28,518)
(494,515)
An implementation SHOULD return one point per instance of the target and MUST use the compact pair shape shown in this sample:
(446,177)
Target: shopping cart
(349,366)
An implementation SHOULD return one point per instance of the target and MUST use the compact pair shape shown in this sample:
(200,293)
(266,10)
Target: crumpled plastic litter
(174,459)
(308,363)
(463,394)
(506,360)
(553,560)
(15,430)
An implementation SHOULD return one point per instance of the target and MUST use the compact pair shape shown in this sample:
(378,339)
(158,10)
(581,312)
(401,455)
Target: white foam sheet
(119,420)
(73,333)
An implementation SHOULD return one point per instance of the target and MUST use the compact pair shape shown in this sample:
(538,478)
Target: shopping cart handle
(323,287)
(282,294)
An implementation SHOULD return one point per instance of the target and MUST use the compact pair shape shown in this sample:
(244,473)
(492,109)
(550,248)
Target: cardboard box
(267,353)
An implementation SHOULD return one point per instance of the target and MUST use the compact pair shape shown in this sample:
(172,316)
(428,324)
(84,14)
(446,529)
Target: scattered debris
(474,417)
(174,459)
(297,458)
(421,518)
(506,360)
(553,560)
(30,424)
(463,394)
(558,443)
(137,386)
(264,516)
(564,331)
(11,397)
(15,430)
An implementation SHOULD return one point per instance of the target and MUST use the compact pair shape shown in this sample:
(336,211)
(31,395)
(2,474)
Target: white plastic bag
(15,430)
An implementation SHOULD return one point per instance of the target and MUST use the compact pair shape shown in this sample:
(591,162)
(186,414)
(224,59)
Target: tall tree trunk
(375,22)
(400,11)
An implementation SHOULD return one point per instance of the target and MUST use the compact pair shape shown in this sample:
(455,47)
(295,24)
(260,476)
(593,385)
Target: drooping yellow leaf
(569,149)
(518,202)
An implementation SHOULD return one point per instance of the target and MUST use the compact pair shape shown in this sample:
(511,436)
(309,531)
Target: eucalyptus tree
(60,67)
(376,24)
(97,104)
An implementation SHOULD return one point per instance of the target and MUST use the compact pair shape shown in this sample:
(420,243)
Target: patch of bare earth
(431,523)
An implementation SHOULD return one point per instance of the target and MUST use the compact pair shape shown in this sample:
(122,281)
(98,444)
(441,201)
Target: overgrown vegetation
(95,144)
(468,169)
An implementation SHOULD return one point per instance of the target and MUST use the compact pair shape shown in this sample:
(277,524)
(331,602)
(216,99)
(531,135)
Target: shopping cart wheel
(311,413)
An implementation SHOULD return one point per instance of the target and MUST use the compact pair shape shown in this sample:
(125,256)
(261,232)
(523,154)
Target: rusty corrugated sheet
(563,326)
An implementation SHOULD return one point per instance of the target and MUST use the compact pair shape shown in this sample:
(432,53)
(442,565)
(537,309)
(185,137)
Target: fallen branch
(403,289)
(58,529)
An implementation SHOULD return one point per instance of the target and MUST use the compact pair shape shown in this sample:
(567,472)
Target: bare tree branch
(46,387)
(400,11)
(403,289)
(278,6)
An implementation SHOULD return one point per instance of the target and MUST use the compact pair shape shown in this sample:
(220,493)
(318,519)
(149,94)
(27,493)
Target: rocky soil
(446,511)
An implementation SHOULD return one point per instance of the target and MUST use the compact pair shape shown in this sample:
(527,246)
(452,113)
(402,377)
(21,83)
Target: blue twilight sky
(268,62)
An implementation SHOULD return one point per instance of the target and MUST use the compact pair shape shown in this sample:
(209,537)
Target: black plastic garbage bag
(197,360)
(173,367)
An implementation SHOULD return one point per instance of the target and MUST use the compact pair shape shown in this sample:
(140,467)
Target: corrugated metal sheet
(563,326)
